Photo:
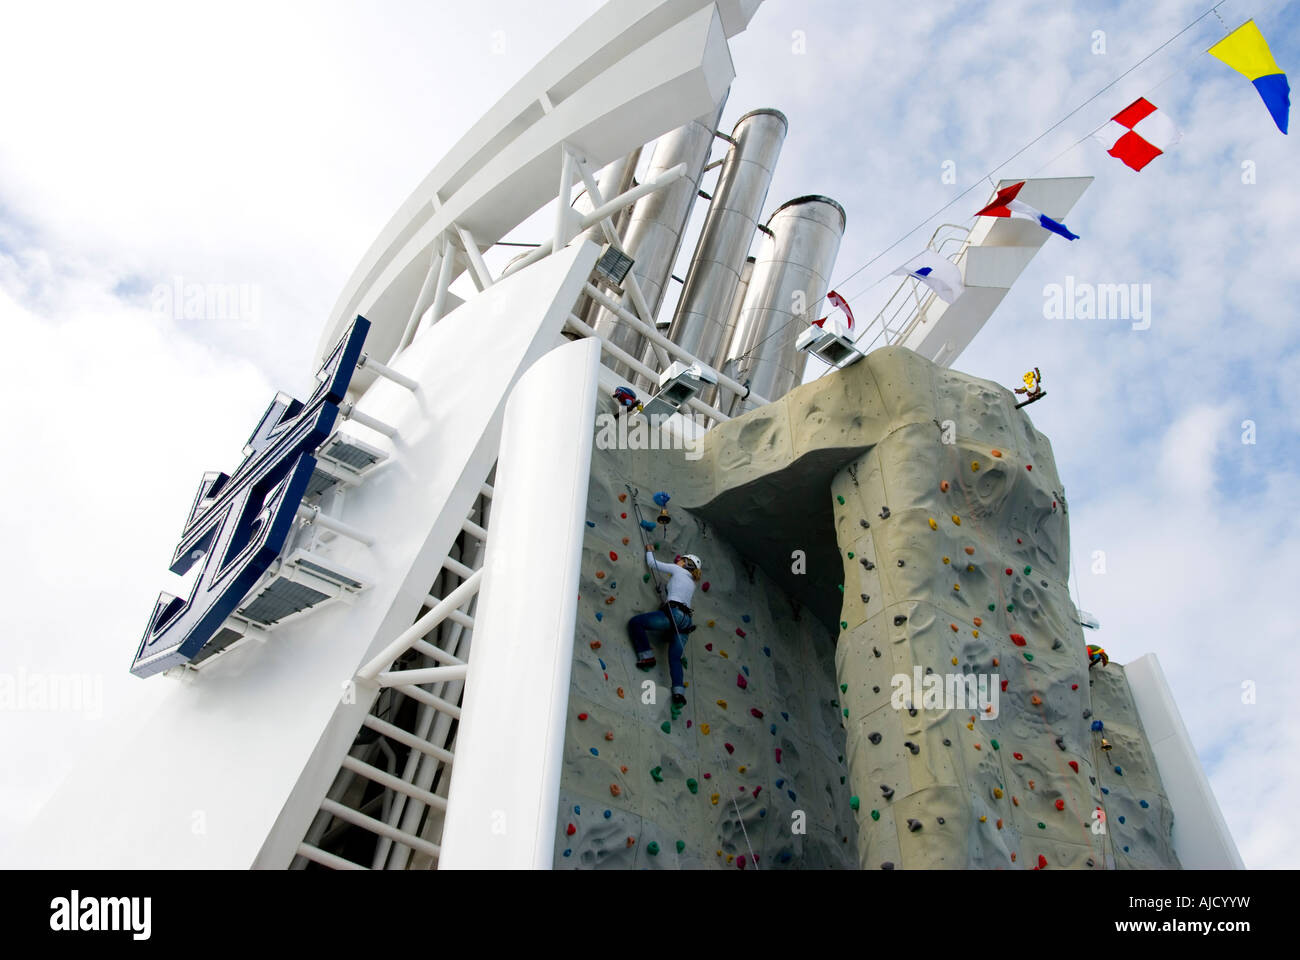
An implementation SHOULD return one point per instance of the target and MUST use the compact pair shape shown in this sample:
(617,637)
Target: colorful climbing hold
(721,703)
(997,793)
(933,525)
(652,848)
(609,734)
(875,814)
(704,729)
(615,790)
(599,616)
(1060,804)
(570,830)
(739,632)
(1074,765)
(729,748)
(756,713)
(943,485)
(620,693)
(995,745)
(714,799)
(974,465)
(613,556)
(658,774)
(1018,640)
(1018,756)
(1027,571)
(839,498)
(666,727)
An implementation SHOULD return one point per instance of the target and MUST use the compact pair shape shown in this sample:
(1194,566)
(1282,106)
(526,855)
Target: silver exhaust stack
(786,293)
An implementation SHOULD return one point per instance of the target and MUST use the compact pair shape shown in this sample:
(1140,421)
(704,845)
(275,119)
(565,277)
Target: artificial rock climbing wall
(754,765)
(954,539)
(931,534)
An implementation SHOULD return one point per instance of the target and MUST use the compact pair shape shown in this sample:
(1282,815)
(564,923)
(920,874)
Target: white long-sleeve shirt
(681,585)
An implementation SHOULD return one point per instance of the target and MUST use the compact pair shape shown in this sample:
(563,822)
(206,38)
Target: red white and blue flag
(1005,204)
(1138,134)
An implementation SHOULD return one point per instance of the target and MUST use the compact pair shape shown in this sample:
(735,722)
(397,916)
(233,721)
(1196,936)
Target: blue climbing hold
(1126,849)
(1118,770)
(780,783)
(608,814)
(1121,819)
(790,794)
(647,525)
(785,716)
(1096,725)
(1143,804)
(602,663)
(745,617)
(763,812)
(568,852)
(662,498)
(590,524)
(612,584)
(768,651)
(1106,791)
(745,668)
(595,752)
(773,730)
(577,809)
(599,616)
(785,857)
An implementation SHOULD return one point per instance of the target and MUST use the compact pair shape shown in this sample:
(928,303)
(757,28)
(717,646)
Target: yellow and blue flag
(1246,52)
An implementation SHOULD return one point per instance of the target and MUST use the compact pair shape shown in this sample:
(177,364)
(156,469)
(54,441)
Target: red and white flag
(1138,134)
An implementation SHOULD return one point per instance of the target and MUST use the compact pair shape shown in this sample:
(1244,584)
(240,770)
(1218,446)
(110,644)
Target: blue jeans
(656,621)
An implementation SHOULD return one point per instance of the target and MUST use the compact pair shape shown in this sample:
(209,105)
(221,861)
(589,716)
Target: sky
(257,149)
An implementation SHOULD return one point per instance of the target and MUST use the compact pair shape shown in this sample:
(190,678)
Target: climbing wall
(954,538)
(753,768)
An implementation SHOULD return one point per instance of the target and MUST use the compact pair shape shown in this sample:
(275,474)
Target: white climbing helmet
(694,560)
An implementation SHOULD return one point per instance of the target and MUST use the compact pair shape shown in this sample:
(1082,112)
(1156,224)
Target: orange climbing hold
(622,498)
(943,485)
(999,823)
(620,693)
(1036,700)
(631,841)
(1015,801)
(721,703)
(600,574)
(956,519)
(615,790)
(595,644)
(954,627)
(996,453)
(1013,858)
(609,600)
(609,734)
(970,551)
(622,769)
(626,541)
(978,622)
(995,661)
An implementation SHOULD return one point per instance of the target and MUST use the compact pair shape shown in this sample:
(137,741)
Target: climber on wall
(673,619)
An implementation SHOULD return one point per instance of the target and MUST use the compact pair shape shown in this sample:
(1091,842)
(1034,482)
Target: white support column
(313,515)
(387,372)
(564,214)
(510,745)
(478,269)
(422,301)
(350,412)
(444,281)
(611,235)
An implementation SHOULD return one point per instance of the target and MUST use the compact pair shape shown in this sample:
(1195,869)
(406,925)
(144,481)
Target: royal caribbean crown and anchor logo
(238,524)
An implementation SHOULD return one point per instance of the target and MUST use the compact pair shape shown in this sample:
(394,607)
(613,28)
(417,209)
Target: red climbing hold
(570,829)
(1018,640)
(1060,804)
(613,555)
(730,748)
(1074,765)
(740,862)
(708,646)
(741,681)
(1042,861)
(1018,756)
(778,754)
(757,713)
(1018,540)
(1029,466)
(622,516)
(582,716)
(1074,686)
(595,644)
(705,586)
(1009,571)
(756,792)
(1004,686)
(739,632)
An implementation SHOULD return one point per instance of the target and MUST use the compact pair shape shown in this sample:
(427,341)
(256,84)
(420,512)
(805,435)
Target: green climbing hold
(991,606)
(839,587)
(840,499)
(692,785)
(1029,656)
(681,845)
(875,814)
(844,688)
(844,624)
(658,774)
(645,577)
(850,554)
(652,848)
(684,662)
(853,803)
(1010,607)
(995,745)
(846,711)
(841,779)
(1041,825)
(1027,571)
(666,727)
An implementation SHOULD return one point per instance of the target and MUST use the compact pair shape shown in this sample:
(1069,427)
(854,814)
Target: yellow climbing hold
(983,819)
(954,661)
(974,633)
(704,729)
(946,560)
(974,465)
(714,799)
(997,792)
(731,857)
(723,654)
(933,525)
(722,704)
(710,623)
(970,726)
(741,769)
(956,519)
(957,587)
